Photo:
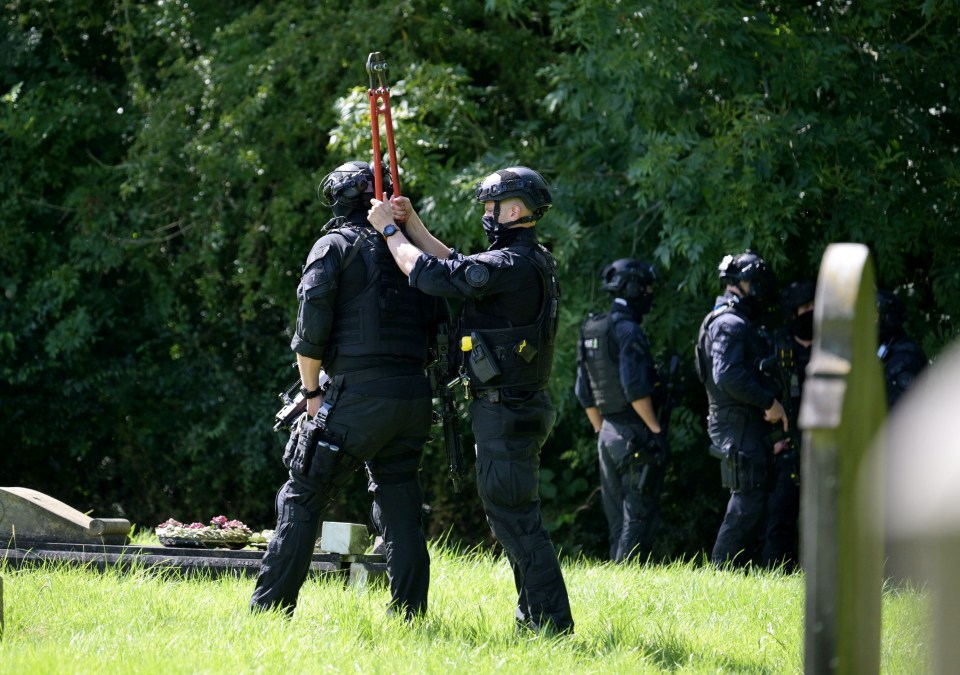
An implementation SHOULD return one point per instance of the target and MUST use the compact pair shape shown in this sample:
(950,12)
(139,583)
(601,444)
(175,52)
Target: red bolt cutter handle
(379,95)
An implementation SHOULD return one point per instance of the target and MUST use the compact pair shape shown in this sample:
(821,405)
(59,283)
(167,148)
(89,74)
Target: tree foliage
(160,163)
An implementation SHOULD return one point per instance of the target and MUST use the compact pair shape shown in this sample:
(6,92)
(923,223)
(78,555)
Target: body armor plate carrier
(602,365)
(523,354)
(384,317)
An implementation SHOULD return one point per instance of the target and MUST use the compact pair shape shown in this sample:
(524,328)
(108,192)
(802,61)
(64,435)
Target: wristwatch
(311,394)
(390,230)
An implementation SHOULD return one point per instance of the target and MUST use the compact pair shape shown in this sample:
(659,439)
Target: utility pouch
(326,455)
(483,365)
(290,449)
(525,351)
(729,466)
(305,446)
(752,474)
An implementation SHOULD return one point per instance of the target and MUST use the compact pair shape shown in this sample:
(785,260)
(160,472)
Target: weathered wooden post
(923,455)
(843,406)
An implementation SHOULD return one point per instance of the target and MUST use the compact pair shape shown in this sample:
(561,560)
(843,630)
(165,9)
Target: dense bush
(159,171)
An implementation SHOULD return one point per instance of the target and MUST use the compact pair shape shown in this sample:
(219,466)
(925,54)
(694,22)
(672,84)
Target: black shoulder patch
(476,275)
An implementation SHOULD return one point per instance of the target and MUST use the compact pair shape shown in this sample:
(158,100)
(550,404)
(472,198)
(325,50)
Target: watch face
(389,230)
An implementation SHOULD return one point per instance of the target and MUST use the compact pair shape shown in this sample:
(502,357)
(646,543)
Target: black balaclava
(801,326)
(642,304)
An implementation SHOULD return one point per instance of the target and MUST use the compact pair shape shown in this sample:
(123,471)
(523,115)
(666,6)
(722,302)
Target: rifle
(294,404)
(781,366)
(652,453)
(441,384)
(669,395)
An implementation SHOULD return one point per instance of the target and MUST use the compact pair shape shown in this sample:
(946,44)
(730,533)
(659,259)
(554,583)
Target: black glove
(659,448)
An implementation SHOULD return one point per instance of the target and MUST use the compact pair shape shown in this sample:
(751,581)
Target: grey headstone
(28,515)
(922,454)
(843,405)
(346,538)
(365,573)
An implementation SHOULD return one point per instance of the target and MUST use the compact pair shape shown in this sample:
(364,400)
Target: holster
(729,466)
(639,453)
(314,449)
(302,445)
(646,450)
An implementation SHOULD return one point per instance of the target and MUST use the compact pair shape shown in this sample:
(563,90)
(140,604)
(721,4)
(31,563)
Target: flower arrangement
(220,529)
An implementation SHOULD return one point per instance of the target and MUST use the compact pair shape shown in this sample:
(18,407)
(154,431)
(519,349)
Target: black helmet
(517,181)
(748,266)
(350,187)
(796,295)
(627,278)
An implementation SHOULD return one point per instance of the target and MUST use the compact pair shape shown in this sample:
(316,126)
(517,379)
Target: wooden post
(843,405)
(923,454)
(1,608)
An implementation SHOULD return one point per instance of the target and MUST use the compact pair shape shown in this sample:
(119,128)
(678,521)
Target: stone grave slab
(34,516)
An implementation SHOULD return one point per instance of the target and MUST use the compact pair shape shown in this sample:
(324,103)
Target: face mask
(802,326)
(750,305)
(642,303)
(490,226)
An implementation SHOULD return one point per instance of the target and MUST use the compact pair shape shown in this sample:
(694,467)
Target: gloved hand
(660,448)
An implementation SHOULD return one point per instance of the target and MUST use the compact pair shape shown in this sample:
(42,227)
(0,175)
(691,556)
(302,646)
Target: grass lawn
(630,619)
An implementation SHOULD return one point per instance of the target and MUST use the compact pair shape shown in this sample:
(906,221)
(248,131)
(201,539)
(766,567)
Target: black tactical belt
(490,395)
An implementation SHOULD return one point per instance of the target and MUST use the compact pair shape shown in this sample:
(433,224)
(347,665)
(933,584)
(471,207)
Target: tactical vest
(701,350)
(377,313)
(602,365)
(524,354)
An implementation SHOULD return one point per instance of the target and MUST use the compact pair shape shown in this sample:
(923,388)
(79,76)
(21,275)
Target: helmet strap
(505,226)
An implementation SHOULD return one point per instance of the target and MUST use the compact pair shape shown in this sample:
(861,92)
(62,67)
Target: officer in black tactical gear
(369,330)
(742,402)
(788,366)
(903,359)
(616,378)
(508,325)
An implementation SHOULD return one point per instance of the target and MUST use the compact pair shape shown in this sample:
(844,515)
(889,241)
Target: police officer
(508,325)
(361,322)
(903,359)
(742,402)
(788,366)
(616,378)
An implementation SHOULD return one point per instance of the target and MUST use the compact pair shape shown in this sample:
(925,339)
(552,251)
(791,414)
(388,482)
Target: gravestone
(346,538)
(923,487)
(843,405)
(32,516)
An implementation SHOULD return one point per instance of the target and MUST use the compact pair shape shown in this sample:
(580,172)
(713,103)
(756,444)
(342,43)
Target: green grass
(630,619)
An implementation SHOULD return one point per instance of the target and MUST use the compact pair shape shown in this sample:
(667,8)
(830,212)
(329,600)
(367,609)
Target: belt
(489,395)
(380,372)
(496,395)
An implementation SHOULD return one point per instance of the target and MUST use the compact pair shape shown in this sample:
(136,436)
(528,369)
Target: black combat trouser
(630,490)
(780,546)
(510,428)
(384,424)
(741,533)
